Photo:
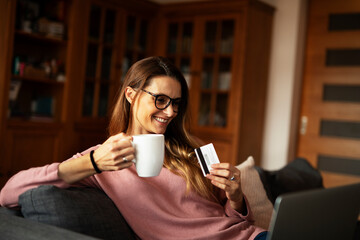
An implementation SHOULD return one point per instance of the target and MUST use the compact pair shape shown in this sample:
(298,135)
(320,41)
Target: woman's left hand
(227,177)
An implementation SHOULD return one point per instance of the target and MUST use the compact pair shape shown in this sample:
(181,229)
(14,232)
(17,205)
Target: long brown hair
(179,144)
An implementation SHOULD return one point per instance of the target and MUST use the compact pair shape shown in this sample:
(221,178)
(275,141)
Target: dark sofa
(90,212)
(83,210)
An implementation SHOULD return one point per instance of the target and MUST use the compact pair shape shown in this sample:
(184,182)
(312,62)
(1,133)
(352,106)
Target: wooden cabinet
(223,50)
(62,62)
(34,81)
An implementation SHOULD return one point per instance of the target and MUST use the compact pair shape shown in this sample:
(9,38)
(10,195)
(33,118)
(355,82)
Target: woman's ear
(130,94)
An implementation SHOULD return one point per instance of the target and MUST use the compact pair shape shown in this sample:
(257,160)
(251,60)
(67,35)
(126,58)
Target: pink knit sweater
(155,208)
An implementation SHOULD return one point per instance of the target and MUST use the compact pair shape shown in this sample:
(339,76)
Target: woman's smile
(161,120)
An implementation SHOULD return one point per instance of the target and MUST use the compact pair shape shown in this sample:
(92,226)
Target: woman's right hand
(116,153)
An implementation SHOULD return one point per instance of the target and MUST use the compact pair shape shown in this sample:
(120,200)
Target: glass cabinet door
(179,46)
(136,44)
(99,61)
(216,73)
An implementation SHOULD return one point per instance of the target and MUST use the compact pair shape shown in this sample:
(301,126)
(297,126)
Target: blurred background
(275,79)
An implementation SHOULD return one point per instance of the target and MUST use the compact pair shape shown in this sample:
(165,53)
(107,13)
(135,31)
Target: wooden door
(330,115)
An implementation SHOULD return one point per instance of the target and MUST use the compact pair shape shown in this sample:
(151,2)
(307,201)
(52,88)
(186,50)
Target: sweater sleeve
(34,177)
(230,212)
(28,179)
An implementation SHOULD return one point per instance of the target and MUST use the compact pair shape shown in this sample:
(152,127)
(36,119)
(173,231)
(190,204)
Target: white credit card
(206,156)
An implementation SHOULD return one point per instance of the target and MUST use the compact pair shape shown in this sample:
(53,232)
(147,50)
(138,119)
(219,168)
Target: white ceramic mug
(149,154)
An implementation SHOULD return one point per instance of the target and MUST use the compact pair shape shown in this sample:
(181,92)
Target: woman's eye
(162,99)
(176,103)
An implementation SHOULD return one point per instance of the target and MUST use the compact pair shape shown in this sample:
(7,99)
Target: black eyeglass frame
(172,100)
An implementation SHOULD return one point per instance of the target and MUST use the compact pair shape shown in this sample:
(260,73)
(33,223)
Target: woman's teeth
(161,119)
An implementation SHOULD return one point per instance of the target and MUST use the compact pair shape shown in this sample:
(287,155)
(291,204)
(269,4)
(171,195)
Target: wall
(283,96)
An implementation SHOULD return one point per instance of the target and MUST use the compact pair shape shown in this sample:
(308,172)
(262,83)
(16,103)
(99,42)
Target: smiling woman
(180,201)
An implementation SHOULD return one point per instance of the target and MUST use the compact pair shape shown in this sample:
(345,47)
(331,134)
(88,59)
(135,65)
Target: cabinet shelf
(39,37)
(217,55)
(33,122)
(96,42)
(183,55)
(214,91)
(37,79)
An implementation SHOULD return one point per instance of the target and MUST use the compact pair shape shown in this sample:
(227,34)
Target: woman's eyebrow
(167,95)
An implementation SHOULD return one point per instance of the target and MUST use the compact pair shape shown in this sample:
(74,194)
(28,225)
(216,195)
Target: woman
(179,203)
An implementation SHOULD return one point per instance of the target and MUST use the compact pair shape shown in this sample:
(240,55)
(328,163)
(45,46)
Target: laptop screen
(330,213)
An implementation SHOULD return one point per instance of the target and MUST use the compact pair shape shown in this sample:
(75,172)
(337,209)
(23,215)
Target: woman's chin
(160,128)
(160,132)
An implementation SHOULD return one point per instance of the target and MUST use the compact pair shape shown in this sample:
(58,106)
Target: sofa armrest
(84,210)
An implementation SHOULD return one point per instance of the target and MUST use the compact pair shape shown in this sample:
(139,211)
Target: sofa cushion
(84,210)
(298,175)
(254,191)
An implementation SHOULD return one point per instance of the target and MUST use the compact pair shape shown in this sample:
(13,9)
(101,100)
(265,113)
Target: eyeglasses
(162,101)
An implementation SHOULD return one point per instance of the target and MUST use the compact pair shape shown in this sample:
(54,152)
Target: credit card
(206,156)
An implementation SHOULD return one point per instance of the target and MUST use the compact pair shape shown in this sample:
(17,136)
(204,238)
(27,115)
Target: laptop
(329,214)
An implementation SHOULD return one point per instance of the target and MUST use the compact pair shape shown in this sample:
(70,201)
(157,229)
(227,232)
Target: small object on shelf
(22,68)
(43,106)
(16,69)
(14,89)
(224,81)
(31,71)
(51,28)
(26,26)
(61,77)
(47,68)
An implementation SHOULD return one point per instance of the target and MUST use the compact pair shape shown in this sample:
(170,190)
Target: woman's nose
(170,110)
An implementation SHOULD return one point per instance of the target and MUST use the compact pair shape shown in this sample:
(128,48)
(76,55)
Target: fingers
(226,177)
(118,165)
(114,164)
(116,153)
(222,185)
(226,171)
